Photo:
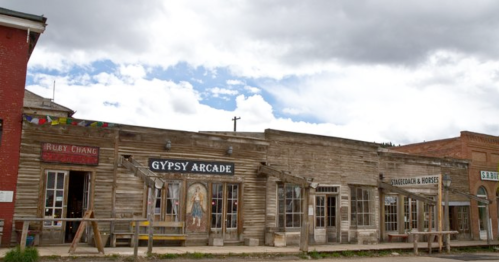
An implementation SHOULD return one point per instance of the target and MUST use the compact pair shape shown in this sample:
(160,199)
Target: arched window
(482,192)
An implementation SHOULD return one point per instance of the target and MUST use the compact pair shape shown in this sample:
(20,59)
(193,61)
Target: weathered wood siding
(248,153)
(329,161)
(30,188)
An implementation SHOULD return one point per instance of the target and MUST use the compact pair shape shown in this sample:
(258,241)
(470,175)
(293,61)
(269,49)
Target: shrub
(30,254)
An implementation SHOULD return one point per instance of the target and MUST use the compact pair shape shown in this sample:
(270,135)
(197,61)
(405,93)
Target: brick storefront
(483,151)
(15,48)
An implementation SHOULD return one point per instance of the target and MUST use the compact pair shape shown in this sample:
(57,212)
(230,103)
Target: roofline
(366,143)
(19,20)
(69,110)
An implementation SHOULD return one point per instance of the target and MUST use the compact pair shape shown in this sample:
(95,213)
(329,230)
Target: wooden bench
(171,231)
(401,236)
(430,239)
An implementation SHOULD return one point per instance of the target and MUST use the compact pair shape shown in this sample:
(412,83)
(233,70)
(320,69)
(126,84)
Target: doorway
(225,211)
(325,218)
(482,214)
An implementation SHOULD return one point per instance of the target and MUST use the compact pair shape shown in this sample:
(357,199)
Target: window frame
(295,202)
(369,203)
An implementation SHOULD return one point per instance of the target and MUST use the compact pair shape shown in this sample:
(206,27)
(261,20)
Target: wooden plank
(24,234)
(404,192)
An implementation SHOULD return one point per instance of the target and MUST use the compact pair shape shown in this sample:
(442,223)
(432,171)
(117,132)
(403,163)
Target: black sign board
(190,166)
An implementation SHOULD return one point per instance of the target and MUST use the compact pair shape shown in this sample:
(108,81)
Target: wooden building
(214,188)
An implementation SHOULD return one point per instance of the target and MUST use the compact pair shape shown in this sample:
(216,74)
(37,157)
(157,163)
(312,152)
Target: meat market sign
(190,166)
(416,181)
(70,154)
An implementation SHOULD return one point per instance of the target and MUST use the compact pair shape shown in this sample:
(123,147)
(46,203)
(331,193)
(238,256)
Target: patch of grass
(113,256)
(384,253)
(347,253)
(30,254)
(315,255)
(198,255)
(364,254)
(167,256)
(129,259)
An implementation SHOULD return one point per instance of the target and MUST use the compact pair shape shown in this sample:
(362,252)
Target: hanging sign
(416,181)
(489,176)
(70,154)
(190,166)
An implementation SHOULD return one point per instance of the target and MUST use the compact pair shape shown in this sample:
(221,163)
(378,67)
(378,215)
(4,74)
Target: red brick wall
(483,151)
(13,66)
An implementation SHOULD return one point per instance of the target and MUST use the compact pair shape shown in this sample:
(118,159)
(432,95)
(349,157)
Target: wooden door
(225,211)
(55,206)
(326,219)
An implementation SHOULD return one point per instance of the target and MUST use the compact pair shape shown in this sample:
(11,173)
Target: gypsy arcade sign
(70,154)
(190,166)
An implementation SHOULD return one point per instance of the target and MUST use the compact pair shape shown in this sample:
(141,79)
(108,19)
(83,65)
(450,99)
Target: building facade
(483,153)
(19,33)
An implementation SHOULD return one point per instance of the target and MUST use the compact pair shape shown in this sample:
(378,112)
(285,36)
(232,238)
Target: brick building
(483,152)
(19,33)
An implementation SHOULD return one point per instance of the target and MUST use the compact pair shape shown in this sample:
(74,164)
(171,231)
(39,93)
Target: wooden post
(446,217)
(439,213)
(430,236)
(415,239)
(150,217)
(486,223)
(24,235)
(382,214)
(305,222)
(136,241)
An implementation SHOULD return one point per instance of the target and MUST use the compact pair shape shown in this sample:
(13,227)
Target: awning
(286,176)
(406,193)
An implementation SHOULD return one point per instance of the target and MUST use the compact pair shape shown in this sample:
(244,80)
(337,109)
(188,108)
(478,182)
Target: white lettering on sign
(191,166)
(489,175)
(412,181)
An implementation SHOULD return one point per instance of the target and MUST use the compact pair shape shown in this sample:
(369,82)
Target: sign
(6,196)
(489,176)
(190,166)
(416,181)
(70,154)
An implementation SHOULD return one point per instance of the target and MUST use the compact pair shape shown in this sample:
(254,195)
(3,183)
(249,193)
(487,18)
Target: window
(289,206)
(427,215)
(410,213)
(391,213)
(463,215)
(168,202)
(54,197)
(320,211)
(362,206)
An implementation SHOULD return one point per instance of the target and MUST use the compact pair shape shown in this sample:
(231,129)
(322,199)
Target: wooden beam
(404,192)
(283,176)
(469,196)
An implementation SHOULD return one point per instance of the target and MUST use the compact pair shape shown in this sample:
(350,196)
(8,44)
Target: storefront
(222,188)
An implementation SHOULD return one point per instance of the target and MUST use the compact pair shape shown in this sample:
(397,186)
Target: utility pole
(235,122)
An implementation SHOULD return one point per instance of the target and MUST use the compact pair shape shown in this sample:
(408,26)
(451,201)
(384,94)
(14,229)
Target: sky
(377,71)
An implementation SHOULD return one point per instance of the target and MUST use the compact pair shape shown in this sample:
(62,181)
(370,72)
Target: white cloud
(217,92)
(234,82)
(251,89)
(370,70)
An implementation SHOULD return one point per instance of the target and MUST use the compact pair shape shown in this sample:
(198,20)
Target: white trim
(19,23)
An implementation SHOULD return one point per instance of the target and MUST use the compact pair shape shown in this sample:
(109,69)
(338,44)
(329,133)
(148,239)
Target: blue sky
(369,70)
